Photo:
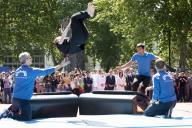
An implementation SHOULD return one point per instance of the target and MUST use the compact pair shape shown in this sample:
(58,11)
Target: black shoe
(169,113)
(82,47)
(6,114)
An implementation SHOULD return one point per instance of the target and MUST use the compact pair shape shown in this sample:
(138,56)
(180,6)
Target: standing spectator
(7,89)
(176,83)
(2,86)
(116,74)
(67,82)
(129,79)
(72,77)
(187,88)
(78,82)
(64,84)
(110,81)
(37,85)
(61,86)
(88,83)
(190,87)
(182,85)
(101,80)
(55,82)
(95,77)
(1,82)
(48,83)
(41,84)
(121,81)
(67,87)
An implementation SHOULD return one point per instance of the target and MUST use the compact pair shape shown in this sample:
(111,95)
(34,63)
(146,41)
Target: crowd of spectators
(84,82)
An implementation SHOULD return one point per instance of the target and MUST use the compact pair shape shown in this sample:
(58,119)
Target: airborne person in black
(75,35)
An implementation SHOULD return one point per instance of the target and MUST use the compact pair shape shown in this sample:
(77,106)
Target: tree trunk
(77,61)
(183,51)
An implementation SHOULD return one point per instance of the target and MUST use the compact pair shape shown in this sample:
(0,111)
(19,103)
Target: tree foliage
(149,21)
(32,25)
(114,32)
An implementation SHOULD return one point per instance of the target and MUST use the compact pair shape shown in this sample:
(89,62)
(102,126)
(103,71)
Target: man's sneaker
(10,114)
(5,114)
(169,113)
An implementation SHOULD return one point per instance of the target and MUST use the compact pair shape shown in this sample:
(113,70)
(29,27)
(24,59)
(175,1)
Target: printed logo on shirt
(164,77)
(167,79)
(21,74)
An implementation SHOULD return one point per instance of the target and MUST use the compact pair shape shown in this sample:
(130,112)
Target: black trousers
(109,87)
(87,89)
(21,110)
(77,41)
(182,93)
(140,78)
(69,48)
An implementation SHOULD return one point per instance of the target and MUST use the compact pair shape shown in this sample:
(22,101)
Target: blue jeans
(159,109)
(21,109)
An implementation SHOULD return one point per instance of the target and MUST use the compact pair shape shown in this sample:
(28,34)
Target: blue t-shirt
(163,87)
(25,79)
(143,62)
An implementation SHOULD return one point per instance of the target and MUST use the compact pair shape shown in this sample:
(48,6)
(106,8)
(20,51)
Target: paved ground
(182,118)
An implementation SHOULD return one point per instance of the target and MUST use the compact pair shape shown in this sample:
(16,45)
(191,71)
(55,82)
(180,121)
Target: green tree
(29,25)
(152,21)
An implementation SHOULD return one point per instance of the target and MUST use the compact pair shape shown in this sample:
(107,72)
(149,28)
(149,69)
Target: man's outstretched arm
(127,65)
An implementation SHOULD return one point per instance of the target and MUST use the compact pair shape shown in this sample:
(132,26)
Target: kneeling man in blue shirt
(164,97)
(23,89)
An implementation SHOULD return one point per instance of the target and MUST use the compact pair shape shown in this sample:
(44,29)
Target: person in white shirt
(121,81)
(95,76)
(101,80)
(116,74)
